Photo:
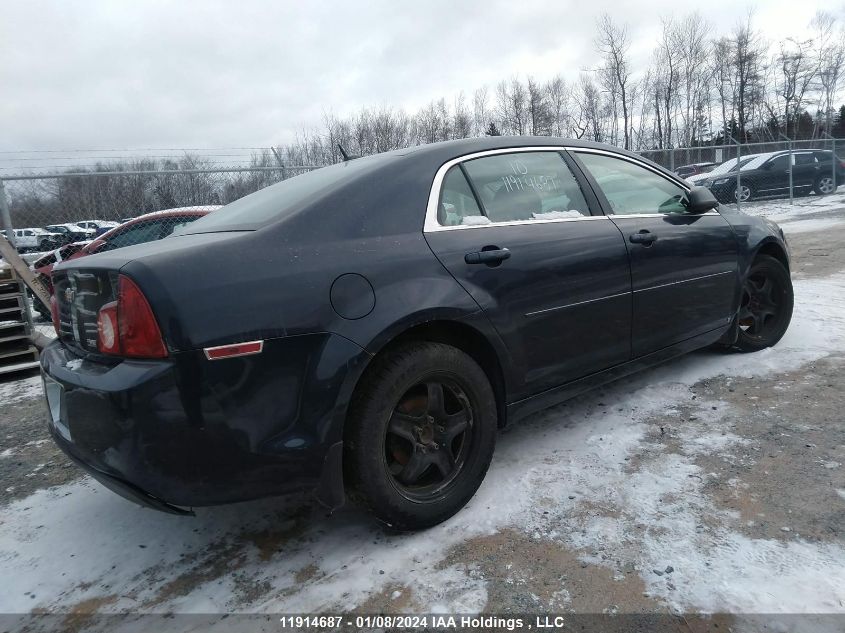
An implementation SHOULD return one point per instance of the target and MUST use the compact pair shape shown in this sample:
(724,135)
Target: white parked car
(98,226)
(35,239)
(725,168)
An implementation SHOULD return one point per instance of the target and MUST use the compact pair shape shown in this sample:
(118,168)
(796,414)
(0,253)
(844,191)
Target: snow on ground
(79,541)
(780,210)
(811,225)
(26,389)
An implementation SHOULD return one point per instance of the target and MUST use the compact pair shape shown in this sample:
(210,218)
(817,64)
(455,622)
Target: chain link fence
(756,171)
(42,212)
(51,217)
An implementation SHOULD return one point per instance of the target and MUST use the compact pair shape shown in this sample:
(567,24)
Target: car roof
(176,211)
(381,194)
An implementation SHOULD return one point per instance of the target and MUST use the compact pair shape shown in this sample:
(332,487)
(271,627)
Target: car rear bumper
(187,431)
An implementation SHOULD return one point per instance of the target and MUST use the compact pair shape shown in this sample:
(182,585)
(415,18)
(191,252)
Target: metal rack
(17,353)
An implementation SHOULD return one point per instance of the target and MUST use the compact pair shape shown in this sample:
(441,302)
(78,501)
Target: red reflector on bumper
(236,349)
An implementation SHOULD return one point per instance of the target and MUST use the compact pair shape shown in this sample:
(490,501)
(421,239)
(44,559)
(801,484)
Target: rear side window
(136,234)
(526,186)
(805,159)
(177,223)
(457,202)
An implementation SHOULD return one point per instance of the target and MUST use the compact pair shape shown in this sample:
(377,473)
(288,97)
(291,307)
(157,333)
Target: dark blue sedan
(365,329)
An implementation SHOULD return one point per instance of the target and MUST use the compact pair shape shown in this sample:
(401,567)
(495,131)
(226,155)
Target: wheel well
(774,250)
(468,340)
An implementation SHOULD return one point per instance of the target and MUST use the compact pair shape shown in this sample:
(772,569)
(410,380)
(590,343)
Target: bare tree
(590,109)
(538,109)
(612,42)
(665,86)
(511,106)
(798,69)
(558,99)
(480,111)
(461,119)
(747,64)
(691,44)
(830,47)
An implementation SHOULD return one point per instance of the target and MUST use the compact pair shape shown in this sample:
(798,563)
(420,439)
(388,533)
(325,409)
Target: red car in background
(145,228)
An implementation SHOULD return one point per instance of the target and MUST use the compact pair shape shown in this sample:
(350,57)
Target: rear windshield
(282,199)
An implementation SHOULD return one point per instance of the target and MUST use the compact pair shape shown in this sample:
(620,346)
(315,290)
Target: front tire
(743,193)
(824,185)
(420,434)
(766,307)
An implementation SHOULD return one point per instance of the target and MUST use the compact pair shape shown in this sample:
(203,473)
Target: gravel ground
(714,484)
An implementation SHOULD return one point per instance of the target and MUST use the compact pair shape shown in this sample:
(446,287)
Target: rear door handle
(490,256)
(644,237)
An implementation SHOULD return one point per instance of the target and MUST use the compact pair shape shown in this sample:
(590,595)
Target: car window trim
(603,212)
(431,225)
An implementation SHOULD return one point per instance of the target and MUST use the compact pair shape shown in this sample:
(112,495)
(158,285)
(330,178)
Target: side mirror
(701,200)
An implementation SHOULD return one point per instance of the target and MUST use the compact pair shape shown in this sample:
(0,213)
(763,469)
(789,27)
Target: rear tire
(766,307)
(420,435)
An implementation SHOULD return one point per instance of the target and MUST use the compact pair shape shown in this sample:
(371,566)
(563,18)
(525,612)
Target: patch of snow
(14,391)
(817,330)
(808,226)
(557,215)
(475,220)
(74,364)
(781,211)
(566,461)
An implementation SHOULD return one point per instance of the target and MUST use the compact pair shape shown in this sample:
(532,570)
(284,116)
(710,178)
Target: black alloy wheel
(420,434)
(766,306)
(428,437)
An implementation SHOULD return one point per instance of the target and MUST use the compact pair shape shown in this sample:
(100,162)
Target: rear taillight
(127,327)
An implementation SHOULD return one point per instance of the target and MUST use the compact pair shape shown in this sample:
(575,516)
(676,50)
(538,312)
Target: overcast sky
(144,74)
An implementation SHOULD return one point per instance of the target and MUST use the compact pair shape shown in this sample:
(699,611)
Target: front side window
(631,188)
(526,186)
(779,163)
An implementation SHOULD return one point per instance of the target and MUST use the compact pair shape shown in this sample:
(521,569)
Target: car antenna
(346,157)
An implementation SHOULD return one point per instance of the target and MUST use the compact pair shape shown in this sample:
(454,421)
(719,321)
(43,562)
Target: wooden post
(22,269)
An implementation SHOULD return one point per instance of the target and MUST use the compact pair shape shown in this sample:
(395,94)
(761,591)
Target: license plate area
(55,395)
